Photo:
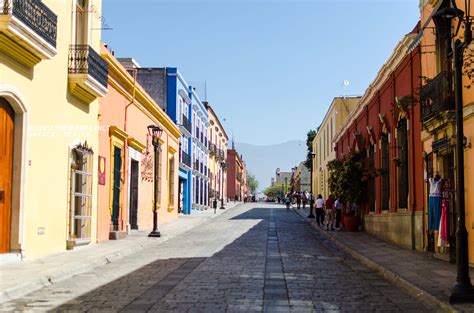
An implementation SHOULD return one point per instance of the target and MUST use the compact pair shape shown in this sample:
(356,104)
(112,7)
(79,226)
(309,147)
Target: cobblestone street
(252,258)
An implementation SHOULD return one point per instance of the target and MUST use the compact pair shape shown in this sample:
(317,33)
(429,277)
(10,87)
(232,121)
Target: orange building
(438,118)
(126,160)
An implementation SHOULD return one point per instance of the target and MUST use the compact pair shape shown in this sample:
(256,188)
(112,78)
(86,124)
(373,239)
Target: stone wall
(396,228)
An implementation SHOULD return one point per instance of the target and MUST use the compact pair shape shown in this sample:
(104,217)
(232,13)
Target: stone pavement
(423,276)
(17,279)
(253,258)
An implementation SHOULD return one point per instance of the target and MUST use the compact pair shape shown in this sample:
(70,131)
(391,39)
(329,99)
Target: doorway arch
(10,100)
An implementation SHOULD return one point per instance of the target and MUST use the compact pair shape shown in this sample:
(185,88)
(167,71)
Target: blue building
(169,89)
(200,152)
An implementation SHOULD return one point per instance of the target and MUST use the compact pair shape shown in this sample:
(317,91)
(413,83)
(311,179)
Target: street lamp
(155,132)
(286,182)
(311,195)
(223,165)
(462,291)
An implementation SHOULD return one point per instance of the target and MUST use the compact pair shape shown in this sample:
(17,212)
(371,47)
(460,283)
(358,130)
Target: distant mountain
(263,160)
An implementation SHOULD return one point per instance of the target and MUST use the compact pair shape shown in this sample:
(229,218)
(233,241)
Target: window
(158,183)
(81,22)
(385,154)
(171,181)
(402,140)
(81,195)
(372,179)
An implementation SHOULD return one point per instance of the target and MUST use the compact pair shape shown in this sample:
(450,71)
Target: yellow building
(51,79)
(437,115)
(323,146)
(218,140)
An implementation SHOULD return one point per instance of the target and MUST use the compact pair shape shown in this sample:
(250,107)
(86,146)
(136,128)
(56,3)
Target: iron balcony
(212,149)
(436,96)
(186,123)
(88,73)
(185,158)
(84,60)
(30,28)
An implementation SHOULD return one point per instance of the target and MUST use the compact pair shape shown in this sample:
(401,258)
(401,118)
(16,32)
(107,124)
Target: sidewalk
(18,279)
(424,277)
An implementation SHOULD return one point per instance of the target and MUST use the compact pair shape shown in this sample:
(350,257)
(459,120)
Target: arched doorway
(7,124)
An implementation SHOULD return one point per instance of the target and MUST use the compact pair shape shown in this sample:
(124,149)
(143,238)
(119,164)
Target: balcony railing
(84,60)
(436,96)
(186,123)
(36,15)
(220,154)
(212,148)
(185,158)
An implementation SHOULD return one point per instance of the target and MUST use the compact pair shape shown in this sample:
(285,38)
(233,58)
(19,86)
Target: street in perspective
(236,156)
(252,258)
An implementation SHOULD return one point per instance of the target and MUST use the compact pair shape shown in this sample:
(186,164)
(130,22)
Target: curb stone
(387,274)
(48,279)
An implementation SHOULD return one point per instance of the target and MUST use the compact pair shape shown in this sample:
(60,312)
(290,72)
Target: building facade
(323,146)
(438,118)
(126,171)
(301,178)
(386,127)
(51,78)
(236,182)
(200,152)
(172,93)
(217,165)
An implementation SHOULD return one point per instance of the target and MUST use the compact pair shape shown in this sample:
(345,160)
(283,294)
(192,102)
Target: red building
(386,125)
(236,176)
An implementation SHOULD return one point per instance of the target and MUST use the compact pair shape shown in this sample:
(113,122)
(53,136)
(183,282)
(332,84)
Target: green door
(116,188)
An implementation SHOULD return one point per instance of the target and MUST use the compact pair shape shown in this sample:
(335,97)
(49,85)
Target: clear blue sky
(271,67)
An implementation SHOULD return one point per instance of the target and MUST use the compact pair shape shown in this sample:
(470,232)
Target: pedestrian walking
(329,205)
(338,209)
(304,198)
(320,210)
(298,200)
(287,201)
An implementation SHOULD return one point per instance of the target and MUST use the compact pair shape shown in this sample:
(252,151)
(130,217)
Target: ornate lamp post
(155,133)
(311,195)
(462,291)
(223,166)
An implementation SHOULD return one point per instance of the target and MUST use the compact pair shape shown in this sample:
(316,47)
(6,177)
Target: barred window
(402,145)
(171,181)
(81,194)
(385,172)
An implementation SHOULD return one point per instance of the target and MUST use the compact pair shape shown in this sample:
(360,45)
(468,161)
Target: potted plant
(347,180)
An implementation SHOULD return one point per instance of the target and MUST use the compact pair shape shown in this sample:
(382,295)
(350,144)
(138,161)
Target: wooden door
(6,168)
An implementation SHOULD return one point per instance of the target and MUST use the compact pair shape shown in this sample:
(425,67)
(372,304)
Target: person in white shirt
(320,210)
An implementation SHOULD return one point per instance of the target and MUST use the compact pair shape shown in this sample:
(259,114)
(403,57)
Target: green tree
(347,178)
(253,183)
(309,145)
(275,190)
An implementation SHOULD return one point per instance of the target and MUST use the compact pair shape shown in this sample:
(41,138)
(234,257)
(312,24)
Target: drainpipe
(412,196)
(125,144)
